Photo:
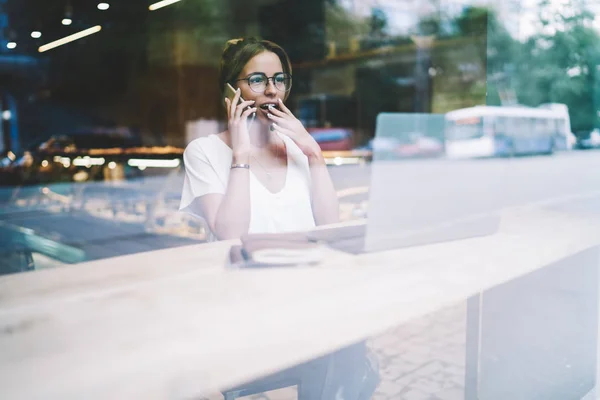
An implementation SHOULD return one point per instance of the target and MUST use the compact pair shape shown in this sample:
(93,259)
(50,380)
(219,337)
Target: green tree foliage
(559,65)
(472,22)
(378,22)
(342,26)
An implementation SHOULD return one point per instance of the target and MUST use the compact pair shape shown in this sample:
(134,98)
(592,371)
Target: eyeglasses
(258,81)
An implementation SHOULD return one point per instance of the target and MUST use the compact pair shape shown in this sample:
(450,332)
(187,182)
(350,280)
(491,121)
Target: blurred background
(99,99)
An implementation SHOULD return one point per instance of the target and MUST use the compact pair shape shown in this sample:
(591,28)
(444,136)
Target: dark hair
(238,52)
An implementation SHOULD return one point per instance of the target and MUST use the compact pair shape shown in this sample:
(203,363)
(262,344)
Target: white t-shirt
(207,165)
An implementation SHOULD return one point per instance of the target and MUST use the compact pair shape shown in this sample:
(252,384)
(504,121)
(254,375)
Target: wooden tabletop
(176,323)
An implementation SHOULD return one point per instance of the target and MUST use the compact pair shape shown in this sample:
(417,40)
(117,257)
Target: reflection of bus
(487,131)
(564,139)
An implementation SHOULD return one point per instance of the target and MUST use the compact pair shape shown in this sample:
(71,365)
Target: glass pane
(428,198)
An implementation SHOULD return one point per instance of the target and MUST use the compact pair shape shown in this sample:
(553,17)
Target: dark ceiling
(25,16)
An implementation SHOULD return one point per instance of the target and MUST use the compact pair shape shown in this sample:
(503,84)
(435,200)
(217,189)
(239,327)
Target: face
(269,64)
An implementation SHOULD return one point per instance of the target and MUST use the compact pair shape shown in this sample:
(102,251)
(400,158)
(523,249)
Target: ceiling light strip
(162,4)
(70,38)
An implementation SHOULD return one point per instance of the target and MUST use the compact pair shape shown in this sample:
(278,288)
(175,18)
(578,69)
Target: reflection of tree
(502,51)
(429,25)
(460,60)
(559,64)
(378,22)
(472,22)
(343,28)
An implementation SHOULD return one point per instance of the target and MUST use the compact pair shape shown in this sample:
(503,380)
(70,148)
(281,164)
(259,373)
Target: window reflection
(93,128)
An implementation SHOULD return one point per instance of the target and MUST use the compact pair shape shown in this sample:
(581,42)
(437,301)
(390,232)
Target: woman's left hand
(286,123)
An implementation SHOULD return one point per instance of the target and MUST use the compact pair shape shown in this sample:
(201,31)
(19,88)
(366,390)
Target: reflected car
(382,147)
(332,139)
(414,145)
(588,140)
(420,145)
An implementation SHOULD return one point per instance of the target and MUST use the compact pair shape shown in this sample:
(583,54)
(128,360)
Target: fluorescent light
(342,160)
(162,4)
(36,34)
(103,6)
(11,45)
(143,163)
(6,115)
(66,21)
(88,161)
(69,38)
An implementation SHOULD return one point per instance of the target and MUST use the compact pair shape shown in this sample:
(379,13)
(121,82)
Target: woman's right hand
(238,127)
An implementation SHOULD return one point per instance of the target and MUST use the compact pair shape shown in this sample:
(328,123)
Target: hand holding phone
(238,111)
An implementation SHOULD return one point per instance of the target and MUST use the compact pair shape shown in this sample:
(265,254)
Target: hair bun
(233,42)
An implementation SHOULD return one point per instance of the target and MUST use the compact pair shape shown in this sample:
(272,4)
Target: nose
(270,88)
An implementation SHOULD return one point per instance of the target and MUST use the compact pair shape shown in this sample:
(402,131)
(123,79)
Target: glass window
(109,110)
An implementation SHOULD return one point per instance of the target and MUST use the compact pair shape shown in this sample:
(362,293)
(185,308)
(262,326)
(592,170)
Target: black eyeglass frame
(272,78)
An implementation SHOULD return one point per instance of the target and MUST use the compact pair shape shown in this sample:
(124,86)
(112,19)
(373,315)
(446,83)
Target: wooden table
(176,323)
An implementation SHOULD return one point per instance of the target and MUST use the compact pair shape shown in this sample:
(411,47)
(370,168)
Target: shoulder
(196,145)
(204,146)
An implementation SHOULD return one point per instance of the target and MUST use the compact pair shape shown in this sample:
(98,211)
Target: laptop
(418,196)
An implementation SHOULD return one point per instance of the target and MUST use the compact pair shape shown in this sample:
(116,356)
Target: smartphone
(230,93)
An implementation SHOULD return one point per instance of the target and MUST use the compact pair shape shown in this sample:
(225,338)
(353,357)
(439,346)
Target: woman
(265,173)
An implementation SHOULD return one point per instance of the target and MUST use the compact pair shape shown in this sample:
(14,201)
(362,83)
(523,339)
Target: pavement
(424,359)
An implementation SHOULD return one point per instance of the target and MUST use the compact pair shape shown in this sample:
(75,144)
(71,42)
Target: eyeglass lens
(258,82)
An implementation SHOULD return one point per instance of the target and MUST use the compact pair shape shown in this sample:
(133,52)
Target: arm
(325,203)
(228,215)
(225,208)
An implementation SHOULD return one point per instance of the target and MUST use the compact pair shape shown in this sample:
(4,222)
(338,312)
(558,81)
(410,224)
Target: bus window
(464,129)
(500,127)
(538,126)
(512,127)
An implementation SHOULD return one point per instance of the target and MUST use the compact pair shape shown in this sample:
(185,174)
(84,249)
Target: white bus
(489,131)
(564,139)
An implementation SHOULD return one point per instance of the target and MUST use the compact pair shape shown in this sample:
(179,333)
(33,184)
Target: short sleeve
(200,178)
